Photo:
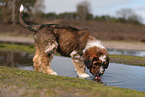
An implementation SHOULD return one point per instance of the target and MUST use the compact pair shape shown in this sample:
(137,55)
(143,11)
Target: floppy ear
(106,63)
(88,63)
(88,59)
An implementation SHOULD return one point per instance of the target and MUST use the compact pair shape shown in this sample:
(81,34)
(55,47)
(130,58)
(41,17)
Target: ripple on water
(120,75)
(125,76)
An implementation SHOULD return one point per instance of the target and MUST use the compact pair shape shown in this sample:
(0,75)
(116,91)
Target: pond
(118,75)
(127,52)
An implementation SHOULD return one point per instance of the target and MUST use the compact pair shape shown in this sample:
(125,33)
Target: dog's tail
(22,22)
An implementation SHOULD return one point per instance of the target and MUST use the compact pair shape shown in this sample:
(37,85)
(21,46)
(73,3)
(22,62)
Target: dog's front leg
(79,64)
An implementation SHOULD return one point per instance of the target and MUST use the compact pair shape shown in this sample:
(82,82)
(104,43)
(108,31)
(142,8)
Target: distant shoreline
(108,44)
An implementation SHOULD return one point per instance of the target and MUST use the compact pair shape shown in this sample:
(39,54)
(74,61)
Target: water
(125,76)
(15,59)
(127,52)
(118,75)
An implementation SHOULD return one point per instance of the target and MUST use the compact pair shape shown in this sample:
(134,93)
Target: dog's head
(97,60)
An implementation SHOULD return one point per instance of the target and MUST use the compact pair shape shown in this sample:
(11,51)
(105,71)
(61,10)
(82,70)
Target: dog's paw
(84,75)
(53,73)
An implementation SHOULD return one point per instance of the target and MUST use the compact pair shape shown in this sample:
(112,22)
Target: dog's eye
(96,64)
(95,59)
(94,67)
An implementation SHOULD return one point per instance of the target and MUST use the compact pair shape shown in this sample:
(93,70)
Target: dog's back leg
(79,64)
(46,47)
(42,58)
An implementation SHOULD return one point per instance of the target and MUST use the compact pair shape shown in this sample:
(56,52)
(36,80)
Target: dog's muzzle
(100,72)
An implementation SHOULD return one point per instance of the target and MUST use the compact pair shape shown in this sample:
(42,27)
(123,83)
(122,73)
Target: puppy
(80,45)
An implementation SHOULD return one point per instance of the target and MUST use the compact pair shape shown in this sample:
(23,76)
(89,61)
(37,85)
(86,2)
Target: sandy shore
(108,44)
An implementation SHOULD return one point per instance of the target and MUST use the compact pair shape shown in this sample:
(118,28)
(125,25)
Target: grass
(15,47)
(22,83)
(131,60)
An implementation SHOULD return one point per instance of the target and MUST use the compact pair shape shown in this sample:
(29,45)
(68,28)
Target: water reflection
(119,75)
(15,59)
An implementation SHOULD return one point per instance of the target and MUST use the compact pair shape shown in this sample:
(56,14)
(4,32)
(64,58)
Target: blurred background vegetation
(126,26)
(33,11)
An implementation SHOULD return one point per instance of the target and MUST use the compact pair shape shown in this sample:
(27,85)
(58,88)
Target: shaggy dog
(80,45)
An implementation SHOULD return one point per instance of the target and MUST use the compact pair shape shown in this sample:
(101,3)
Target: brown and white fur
(80,45)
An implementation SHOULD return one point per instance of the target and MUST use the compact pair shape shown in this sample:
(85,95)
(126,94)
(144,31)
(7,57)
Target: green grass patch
(131,60)
(33,84)
(15,47)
